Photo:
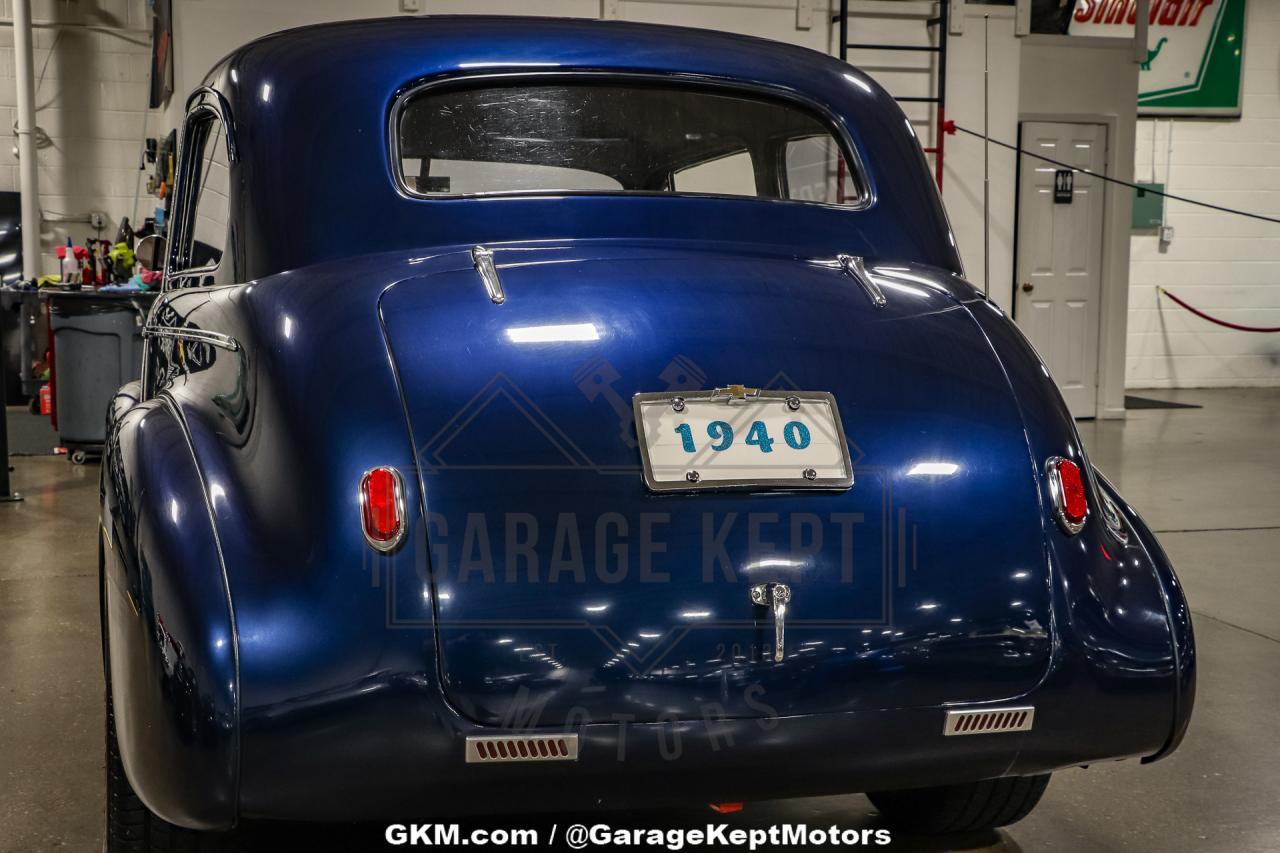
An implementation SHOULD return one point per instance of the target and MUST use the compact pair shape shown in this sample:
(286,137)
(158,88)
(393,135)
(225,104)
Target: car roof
(310,110)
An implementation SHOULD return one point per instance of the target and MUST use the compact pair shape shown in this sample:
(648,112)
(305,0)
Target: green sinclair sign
(1194,56)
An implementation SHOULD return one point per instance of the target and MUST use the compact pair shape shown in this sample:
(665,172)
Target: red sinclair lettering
(1166,13)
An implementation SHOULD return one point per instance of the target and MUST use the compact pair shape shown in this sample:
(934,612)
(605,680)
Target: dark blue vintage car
(562,414)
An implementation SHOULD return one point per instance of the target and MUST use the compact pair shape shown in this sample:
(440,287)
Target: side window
(204,187)
(732,174)
(816,171)
(210,219)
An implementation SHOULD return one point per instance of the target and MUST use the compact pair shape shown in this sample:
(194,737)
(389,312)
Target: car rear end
(469,567)
(548,630)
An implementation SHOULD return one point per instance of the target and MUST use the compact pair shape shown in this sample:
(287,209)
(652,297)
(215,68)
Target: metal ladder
(940,48)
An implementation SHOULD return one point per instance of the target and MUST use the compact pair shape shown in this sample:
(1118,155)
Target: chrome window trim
(205,101)
(1053,475)
(393,543)
(835,125)
(200,99)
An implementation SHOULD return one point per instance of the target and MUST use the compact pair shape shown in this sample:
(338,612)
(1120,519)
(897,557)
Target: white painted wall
(91,102)
(94,93)
(204,31)
(1226,265)
(962,177)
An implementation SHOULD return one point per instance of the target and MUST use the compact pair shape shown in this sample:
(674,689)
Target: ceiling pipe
(28,167)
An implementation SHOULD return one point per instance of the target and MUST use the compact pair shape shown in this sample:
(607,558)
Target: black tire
(970,807)
(132,828)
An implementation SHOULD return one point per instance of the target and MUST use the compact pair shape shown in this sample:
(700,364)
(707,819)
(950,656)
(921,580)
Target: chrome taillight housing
(382,508)
(1066,488)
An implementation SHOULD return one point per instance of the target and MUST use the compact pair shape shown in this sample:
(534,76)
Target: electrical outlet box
(410,5)
(1148,208)
(1166,234)
(97,221)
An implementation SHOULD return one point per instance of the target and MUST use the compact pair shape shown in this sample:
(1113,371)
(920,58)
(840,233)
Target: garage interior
(1159,317)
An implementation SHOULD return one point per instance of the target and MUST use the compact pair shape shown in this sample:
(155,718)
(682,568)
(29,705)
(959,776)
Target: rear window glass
(599,137)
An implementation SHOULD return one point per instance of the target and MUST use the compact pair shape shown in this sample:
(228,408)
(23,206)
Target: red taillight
(725,808)
(382,508)
(1066,485)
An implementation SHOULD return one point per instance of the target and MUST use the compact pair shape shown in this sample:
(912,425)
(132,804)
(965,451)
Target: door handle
(775,596)
(1027,287)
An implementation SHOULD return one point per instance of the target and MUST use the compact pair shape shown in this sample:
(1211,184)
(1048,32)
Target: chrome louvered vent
(556,747)
(989,721)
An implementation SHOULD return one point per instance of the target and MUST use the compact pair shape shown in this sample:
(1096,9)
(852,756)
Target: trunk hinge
(483,260)
(856,268)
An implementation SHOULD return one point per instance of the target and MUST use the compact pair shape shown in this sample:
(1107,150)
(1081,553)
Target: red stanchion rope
(1205,316)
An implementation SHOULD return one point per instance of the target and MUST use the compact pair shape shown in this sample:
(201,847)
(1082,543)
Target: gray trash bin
(97,346)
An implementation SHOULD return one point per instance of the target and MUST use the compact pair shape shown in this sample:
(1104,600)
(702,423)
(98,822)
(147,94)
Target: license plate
(742,438)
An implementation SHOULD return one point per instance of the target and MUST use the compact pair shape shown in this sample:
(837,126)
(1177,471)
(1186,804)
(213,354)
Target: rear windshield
(599,137)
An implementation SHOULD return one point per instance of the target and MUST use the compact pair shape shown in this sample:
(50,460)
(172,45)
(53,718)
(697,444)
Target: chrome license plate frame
(656,411)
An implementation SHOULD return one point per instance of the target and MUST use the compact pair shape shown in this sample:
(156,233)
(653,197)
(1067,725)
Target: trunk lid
(565,590)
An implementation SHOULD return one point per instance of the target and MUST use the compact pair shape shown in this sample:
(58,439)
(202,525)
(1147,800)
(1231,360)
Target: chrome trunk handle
(776,596)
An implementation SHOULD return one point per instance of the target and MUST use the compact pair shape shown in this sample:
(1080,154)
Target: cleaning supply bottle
(70,266)
(125,234)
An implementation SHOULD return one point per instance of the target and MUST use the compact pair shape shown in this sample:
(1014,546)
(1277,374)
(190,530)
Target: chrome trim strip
(482,258)
(839,484)
(1051,474)
(493,749)
(394,543)
(992,721)
(1111,517)
(856,269)
(216,339)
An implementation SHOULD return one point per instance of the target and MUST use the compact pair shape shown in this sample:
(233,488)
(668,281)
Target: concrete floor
(1205,479)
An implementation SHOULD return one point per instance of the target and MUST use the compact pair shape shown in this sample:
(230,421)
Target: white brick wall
(1226,265)
(91,103)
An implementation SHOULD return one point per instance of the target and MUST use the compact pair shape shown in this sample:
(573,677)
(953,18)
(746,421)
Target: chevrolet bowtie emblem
(736,392)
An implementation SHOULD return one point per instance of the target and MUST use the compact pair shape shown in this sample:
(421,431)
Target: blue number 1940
(795,434)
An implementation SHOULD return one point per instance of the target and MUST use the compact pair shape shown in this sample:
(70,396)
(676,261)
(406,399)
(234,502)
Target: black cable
(1117,180)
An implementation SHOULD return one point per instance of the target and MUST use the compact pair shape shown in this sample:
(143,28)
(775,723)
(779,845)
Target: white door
(1060,254)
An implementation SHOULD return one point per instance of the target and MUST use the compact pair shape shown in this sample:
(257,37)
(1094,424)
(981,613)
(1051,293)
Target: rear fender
(1178,612)
(1113,619)
(168,627)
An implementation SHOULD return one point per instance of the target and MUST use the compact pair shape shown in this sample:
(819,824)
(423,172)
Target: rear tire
(969,807)
(131,826)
